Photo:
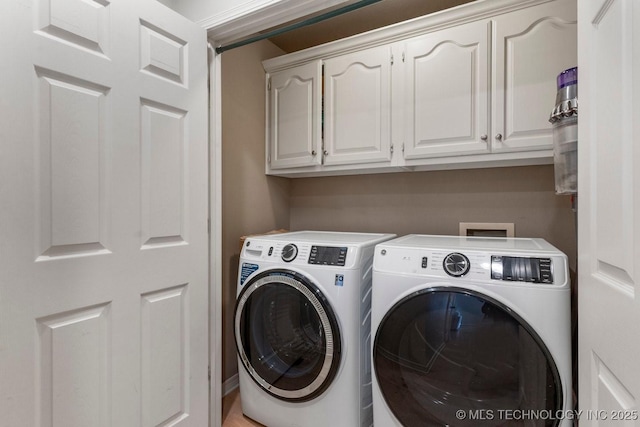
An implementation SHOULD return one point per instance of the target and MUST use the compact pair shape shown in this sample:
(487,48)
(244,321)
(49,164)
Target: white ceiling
(376,15)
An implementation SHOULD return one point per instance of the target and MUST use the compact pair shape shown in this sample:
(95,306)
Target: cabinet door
(358,107)
(533,46)
(295,102)
(446,104)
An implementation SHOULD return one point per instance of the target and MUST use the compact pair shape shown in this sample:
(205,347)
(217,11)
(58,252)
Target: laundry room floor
(232,412)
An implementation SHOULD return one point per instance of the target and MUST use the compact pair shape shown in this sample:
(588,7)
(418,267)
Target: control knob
(456,264)
(289,252)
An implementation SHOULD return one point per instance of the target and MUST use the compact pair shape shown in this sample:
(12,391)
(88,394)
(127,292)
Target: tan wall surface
(251,201)
(436,202)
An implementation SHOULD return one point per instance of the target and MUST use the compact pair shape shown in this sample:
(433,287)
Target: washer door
(450,356)
(287,335)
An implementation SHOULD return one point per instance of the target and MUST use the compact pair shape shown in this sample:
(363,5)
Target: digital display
(328,255)
(521,269)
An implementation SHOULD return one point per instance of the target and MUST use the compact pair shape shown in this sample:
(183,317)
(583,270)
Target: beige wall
(436,202)
(401,203)
(251,201)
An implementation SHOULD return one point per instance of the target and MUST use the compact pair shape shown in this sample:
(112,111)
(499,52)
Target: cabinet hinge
(269,159)
(391,149)
(402,56)
(403,147)
(209,373)
(269,84)
(392,59)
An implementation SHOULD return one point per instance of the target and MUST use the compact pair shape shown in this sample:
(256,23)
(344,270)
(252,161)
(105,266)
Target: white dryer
(471,331)
(302,328)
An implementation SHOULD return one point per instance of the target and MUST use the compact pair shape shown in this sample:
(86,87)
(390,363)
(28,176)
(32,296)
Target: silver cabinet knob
(499,137)
(313,153)
(484,137)
(325,152)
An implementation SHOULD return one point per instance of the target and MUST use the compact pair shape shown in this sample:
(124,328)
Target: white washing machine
(303,328)
(471,331)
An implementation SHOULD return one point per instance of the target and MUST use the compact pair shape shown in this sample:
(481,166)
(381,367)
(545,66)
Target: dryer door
(287,335)
(450,356)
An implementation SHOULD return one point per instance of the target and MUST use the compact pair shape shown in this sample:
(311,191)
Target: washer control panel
(301,253)
(328,255)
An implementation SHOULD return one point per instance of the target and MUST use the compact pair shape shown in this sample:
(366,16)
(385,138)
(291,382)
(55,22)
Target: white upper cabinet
(295,106)
(357,107)
(446,97)
(448,91)
(532,47)
(467,87)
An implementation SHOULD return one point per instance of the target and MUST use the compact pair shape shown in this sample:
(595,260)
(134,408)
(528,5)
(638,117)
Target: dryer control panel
(508,262)
(521,269)
(505,268)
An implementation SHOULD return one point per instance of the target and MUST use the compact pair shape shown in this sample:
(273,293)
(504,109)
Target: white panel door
(357,107)
(609,211)
(532,46)
(103,219)
(446,98)
(295,109)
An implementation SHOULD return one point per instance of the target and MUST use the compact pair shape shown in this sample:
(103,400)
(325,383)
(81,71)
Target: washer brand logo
(339,280)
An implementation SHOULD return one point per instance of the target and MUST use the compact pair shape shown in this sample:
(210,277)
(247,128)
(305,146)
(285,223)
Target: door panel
(608,183)
(104,215)
(81,23)
(75,342)
(163,174)
(73,154)
(165,381)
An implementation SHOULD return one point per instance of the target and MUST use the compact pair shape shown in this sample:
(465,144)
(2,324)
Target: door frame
(215,238)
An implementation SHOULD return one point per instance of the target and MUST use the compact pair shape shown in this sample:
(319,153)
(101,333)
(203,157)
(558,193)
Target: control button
(289,252)
(270,251)
(425,262)
(496,267)
(456,264)
(545,271)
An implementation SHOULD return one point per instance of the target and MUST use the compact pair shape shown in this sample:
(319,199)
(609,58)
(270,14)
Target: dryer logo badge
(339,279)
(246,271)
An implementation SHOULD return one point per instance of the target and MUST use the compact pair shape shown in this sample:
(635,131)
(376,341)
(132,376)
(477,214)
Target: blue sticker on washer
(339,280)
(246,271)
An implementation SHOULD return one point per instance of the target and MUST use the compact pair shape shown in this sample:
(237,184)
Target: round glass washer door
(451,356)
(287,335)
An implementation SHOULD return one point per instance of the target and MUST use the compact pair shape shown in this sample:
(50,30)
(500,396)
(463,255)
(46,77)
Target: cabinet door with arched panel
(532,46)
(293,116)
(446,97)
(357,115)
